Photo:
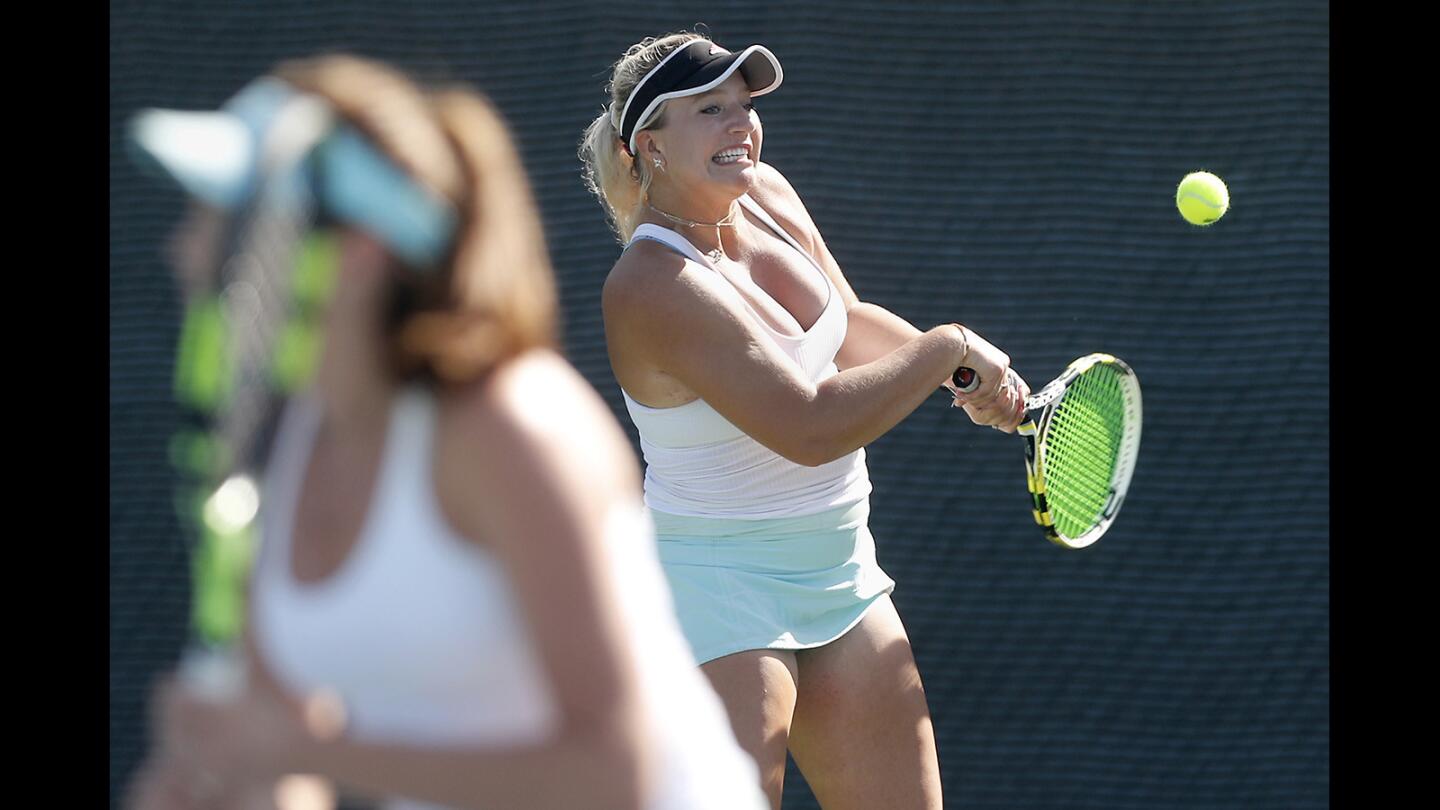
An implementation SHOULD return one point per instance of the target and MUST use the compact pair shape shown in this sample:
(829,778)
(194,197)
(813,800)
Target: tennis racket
(253,327)
(242,352)
(1082,438)
(249,335)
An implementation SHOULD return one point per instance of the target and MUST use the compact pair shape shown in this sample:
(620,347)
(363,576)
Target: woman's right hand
(999,402)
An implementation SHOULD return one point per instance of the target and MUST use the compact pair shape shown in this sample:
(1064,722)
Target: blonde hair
(495,295)
(621,183)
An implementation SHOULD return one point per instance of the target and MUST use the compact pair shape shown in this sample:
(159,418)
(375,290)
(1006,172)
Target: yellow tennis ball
(1202,198)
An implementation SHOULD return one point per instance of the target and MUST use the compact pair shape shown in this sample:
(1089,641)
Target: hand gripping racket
(1080,449)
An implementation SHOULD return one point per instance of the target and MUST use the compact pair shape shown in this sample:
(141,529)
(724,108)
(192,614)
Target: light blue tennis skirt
(780,583)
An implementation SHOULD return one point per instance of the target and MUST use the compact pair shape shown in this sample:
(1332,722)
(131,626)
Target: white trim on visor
(652,109)
(273,139)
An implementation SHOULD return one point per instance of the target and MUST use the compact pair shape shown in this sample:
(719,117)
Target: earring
(659,165)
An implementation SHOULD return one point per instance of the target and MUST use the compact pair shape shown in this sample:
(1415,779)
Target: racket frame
(1035,429)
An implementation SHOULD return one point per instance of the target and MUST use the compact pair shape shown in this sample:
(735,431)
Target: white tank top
(699,464)
(422,636)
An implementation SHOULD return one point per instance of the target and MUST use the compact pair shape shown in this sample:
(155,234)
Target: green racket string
(220,510)
(1082,448)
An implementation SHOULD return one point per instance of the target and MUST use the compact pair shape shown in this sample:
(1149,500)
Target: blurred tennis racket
(1081,446)
(249,336)
(242,351)
(287,174)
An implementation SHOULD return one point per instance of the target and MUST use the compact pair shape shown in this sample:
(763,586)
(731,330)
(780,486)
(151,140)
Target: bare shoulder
(651,285)
(532,424)
(639,269)
(779,198)
(537,399)
(771,183)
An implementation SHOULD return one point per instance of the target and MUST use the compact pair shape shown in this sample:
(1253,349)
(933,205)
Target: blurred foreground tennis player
(457,601)
(755,377)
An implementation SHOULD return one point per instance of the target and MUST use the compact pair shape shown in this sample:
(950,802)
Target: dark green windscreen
(1008,165)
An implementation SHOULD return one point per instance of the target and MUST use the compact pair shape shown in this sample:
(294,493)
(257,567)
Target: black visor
(693,69)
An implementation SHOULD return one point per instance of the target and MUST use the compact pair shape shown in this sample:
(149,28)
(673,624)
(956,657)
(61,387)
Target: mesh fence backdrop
(1008,165)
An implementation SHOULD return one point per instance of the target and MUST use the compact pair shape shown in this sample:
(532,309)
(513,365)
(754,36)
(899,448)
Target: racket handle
(965,379)
(214,675)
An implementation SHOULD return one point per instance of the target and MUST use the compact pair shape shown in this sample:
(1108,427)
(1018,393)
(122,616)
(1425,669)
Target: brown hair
(495,297)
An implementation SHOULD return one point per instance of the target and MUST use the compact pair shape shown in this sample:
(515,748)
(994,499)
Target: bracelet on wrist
(964,343)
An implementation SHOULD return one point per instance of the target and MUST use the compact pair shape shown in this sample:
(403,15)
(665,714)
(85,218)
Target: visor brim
(759,67)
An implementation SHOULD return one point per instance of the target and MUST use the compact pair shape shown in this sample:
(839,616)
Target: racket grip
(214,675)
(965,379)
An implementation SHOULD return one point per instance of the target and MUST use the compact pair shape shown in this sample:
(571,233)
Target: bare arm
(872,330)
(532,465)
(542,465)
(682,321)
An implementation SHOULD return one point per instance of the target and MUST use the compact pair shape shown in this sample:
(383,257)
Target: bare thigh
(758,690)
(862,733)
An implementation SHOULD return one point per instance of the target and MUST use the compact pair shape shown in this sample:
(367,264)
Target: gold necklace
(726,221)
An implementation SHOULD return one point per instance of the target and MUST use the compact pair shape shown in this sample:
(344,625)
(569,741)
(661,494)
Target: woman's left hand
(1006,410)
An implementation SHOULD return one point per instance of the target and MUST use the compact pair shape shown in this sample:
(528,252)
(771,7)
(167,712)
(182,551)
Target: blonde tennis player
(755,377)
(457,601)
